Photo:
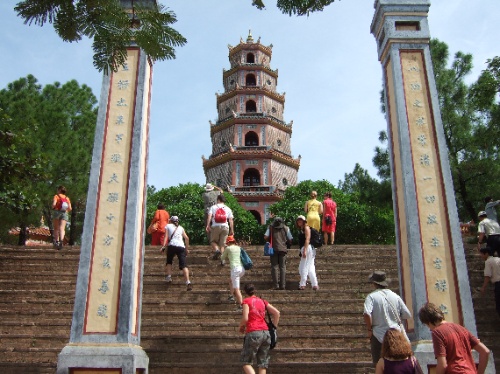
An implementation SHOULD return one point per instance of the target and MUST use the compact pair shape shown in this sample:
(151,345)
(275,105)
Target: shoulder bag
(273,331)
(268,247)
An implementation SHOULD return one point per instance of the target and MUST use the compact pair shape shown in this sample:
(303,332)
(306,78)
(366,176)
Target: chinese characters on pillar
(432,212)
(107,247)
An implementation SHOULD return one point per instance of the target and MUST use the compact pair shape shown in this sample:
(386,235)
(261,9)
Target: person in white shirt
(488,231)
(178,244)
(491,273)
(383,310)
(219,224)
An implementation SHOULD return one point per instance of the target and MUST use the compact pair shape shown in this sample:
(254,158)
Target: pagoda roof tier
(253,90)
(249,46)
(238,154)
(250,66)
(250,119)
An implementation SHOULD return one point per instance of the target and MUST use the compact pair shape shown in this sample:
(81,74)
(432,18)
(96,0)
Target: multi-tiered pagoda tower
(250,140)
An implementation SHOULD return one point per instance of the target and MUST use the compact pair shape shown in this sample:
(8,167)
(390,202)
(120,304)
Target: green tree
(185,201)
(358,222)
(471,126)
(50,143)
(471,120)
(111,27)
(297,7)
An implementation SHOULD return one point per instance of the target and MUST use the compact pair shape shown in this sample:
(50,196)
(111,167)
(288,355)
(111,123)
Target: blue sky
(327,66)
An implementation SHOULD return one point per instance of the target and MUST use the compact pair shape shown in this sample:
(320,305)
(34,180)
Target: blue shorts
(256,345)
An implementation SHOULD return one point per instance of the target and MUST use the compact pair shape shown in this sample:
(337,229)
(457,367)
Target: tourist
(490,208)
(329,223)
(453,344)
(491,273)
(281,239)
(161,219)
(307,268)
(253,324)
(219,224)
(488,231)
(383,310)
(397,356)
(178,244)
(209,200)
(61,205)
(313,208)
(233,253)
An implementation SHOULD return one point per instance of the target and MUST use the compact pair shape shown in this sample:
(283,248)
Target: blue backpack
(245,259)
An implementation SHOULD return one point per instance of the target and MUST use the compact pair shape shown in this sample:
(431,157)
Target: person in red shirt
(329,223)
(453,344)
(253,324)
(162,217)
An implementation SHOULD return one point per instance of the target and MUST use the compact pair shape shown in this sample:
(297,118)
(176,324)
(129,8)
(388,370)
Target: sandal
(315,288)
(301,288)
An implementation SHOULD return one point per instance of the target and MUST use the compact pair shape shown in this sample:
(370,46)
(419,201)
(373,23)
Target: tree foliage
(186,202)
(471,126)
(111,27)
(47,136)
(358,222)
(297,7)
(470,115)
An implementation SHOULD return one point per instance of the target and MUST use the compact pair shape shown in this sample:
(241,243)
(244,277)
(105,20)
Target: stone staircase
(197,331)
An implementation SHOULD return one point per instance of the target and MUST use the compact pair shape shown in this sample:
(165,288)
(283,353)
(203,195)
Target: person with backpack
(219,224)
(307,254)
(278,234)
(329,222)
(61,205)
(257,342)
(178,244)
(209,200)
(233,254)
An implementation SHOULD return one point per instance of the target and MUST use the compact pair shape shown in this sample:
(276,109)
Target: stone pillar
(431,256)
(105,331)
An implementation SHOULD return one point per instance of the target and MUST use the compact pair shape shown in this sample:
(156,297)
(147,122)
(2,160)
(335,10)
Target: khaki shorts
(218,234)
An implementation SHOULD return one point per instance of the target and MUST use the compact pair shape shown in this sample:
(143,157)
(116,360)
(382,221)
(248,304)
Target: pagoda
(251,154)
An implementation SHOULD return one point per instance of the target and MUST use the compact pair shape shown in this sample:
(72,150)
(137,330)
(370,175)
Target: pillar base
(424,352)
(101,359)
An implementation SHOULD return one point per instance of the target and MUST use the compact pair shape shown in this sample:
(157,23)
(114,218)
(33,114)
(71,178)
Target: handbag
(268,247)
(246,261)
(153,227)
(416,366)
(273,331)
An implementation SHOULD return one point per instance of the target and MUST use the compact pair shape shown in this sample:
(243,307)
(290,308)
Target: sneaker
(168,279)
(239,308)
(222,263)
(217,255)
(59,245)
(230,298)
(189,286)
(315,288)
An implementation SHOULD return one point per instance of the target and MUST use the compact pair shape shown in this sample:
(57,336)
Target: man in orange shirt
(161,217)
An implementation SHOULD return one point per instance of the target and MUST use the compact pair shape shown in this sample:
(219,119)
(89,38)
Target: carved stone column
(105,331)
(431,256)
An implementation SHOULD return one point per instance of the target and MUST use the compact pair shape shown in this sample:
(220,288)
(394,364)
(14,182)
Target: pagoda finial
(250,37)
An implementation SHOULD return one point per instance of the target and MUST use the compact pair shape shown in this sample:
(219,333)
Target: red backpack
(220,215)
(62,203)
